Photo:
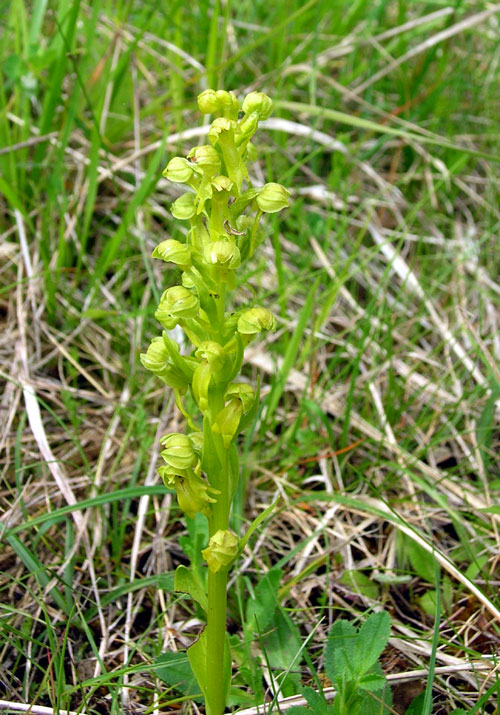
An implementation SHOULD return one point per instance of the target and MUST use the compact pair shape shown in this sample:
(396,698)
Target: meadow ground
(379,430)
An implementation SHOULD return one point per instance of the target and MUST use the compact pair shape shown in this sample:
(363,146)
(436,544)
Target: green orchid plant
(223,210)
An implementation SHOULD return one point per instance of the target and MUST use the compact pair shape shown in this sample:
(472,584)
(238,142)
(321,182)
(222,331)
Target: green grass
(379,429)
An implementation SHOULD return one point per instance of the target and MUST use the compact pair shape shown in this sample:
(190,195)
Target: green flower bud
(193,495)
(173,251)
(168,476)
(219,102)
(272,198)
(179,170)
(208,102)
(222,183)
(201,382)
(213,353)
(158,361)
(223,253)
(183,208)
(220,126)
(206,158)
(247,127)
(187,281)
(179,453)
(203,193)
(259,103)
(175,379)
(243,200)
(228,104)
(197,441)
(176,303)
(255,320)
(227,421)
(251,152)
(242,391)
(244,223)
(156,357)
(221,551)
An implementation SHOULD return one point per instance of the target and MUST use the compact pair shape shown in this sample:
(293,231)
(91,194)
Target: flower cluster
(223,210)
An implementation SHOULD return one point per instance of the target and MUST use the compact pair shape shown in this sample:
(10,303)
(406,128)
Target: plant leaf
(186,582)
(372,639)
(197,654)
(340,652)
(376,704)
(419,559)
(260,610)
(176,672)
(315,700)
(360,583)
(416,705)
(372,682)
(283,646)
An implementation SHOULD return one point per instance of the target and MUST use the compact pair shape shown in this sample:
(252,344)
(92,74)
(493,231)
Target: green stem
(232,159)
(217,216)
(221,313)
(216,640)
(217,602)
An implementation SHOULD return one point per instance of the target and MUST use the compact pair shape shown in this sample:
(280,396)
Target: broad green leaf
(174,669)
(421,562)
(378,703)
(260,609)
(186,582)
(416,705)
(197,654)
(238,697)
(315,700)
(372,682)
(372,639)
(360,583)
(283,646)
(427,602)
(340,652)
